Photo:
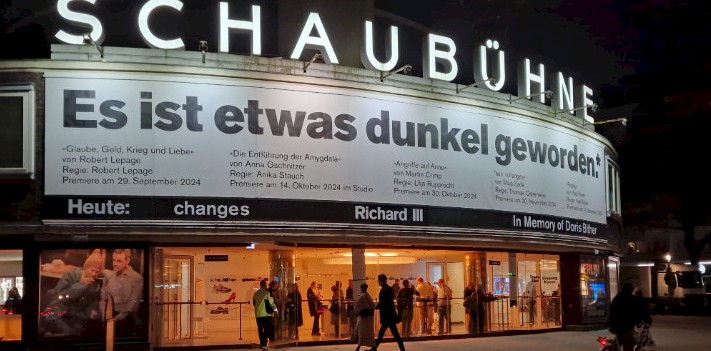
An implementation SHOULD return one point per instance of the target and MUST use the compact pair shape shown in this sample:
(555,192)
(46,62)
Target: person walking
(626,311)
(364,308)
(405,299)
(388,316)
(313,296)
(260,300)
(444,308)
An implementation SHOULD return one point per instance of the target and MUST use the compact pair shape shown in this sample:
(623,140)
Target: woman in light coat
(365,334)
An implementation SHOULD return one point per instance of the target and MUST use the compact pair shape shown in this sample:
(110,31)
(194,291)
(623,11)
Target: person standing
(396,286)
(260,299)
(350,300)
(295,316)
(444,308)
(425,297)
(388,316)
(481,299)
(313,296)
(531,295)
(556,305)
(125,286)
(273,289)
(405,299)
(364,308)
(335,307)
(468,291)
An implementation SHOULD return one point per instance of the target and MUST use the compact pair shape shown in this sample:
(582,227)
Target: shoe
(230,299)
(221,288)
(264,348)
(219,310)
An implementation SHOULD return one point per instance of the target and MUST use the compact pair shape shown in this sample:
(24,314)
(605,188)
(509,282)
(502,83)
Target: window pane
(11,134)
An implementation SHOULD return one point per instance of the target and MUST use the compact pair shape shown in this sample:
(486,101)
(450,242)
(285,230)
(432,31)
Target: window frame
(27,93)
(612,187)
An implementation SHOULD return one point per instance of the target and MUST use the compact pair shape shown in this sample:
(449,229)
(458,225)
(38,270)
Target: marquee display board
(160,147)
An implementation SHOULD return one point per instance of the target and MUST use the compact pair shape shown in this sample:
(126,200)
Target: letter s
(80,19)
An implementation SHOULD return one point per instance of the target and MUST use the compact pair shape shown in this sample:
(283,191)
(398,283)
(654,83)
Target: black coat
(386,305)
(626,311)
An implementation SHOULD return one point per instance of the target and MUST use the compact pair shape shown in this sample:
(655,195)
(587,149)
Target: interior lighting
(371,260)
(404,69)
(667,257)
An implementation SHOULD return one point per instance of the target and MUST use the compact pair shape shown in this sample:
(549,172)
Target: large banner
(139,146)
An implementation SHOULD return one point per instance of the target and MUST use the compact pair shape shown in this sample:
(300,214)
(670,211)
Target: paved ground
(671,333)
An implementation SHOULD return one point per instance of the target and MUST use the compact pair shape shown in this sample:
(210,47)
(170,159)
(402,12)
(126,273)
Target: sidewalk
(671,333)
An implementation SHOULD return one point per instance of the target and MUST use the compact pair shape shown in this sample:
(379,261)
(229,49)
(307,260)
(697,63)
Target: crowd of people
(351,312)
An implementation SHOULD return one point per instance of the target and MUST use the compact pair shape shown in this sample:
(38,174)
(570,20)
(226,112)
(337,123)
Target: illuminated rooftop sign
(438,51)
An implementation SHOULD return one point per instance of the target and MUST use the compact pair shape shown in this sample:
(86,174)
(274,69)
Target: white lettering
(378,213)
(367,54)
(585,91)
(148,36)
(228,25)
(563,97)
(525,77)
(320,42)
(80,19)
(431,56)
(481,70)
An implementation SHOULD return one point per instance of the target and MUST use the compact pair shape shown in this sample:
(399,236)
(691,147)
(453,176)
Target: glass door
(176,298)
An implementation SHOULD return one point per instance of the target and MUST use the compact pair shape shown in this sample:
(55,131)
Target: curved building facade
(160,185)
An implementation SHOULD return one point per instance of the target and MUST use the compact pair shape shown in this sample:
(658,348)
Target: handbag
(333,308)
(367,312)
(267,306)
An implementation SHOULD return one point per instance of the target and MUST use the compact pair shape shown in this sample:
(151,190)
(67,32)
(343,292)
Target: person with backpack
(264,308)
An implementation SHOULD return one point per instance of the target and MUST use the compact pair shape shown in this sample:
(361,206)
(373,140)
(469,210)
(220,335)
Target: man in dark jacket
(388,316)
(626,310)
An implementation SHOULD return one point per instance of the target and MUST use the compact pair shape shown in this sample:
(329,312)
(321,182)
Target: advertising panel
(152,147)
(79,286)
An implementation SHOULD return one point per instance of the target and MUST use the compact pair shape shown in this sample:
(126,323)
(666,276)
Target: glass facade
(205,294)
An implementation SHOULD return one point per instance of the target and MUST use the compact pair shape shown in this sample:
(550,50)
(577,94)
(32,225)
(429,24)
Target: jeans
(444,312)
(406,316)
